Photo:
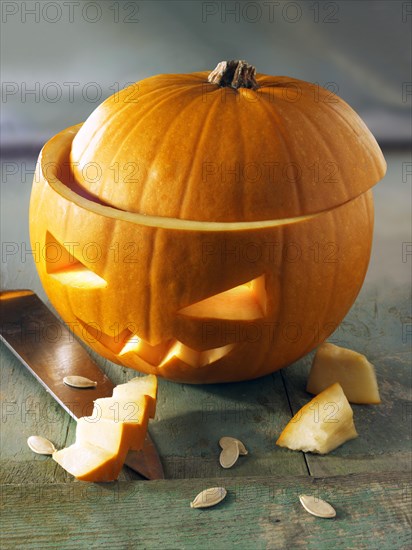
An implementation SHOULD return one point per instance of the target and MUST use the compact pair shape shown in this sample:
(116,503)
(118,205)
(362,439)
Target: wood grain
(373,511)
(189,423)
(376,327)
(42,507)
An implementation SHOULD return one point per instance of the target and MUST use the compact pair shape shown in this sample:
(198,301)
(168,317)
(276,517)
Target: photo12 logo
(70,11)
(70,91)
(272,12)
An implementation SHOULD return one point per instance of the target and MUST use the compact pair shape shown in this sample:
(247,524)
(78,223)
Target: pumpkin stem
(235,74)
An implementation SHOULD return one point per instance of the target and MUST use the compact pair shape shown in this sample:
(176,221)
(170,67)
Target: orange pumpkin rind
(145,272)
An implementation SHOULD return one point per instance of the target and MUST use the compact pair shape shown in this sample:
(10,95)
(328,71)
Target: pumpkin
(118,424)
(349,368)
(322,425)
(207,228)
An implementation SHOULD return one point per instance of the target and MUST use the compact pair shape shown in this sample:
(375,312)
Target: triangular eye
(62,265)
(240,303)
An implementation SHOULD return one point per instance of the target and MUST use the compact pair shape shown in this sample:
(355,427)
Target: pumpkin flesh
(118,425)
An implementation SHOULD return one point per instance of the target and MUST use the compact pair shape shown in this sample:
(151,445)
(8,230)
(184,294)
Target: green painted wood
(191,419)
(189,422)
(373,511)
(43,507)
(27,409)
(376,326)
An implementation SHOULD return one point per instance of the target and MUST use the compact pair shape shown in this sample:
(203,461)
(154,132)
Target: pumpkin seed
(229,455)
(317,507)
(209,497)
(79,382)
(41,445)
(225,441)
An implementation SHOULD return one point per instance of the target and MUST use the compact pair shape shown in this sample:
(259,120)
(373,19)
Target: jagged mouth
(126,343)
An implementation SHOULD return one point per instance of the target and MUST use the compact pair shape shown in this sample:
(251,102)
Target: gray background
(61,58)
(362,48)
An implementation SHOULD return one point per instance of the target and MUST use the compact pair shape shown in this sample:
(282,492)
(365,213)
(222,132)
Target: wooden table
(367,480)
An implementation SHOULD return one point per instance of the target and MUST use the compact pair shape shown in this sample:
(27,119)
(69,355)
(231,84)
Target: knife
(50,352)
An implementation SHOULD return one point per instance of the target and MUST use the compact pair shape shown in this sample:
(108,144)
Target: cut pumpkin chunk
(122,410)
(140,385)
(321,425)
(351,369)
(134,415)
(117,426)
(101,432)
(89,463)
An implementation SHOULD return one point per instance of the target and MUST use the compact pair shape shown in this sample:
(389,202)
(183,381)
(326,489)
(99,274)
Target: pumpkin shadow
(257,391)
(188,443)
(190,420)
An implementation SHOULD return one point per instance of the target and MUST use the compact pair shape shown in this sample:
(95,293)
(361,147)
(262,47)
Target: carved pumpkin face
(205,279)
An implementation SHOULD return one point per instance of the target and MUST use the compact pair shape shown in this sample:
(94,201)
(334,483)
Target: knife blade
(50,352)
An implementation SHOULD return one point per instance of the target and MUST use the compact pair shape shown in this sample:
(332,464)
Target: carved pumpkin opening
(245,302)
(114,343)
(127,342)
(150,354)
(158,355)
(62,265)
(196,358)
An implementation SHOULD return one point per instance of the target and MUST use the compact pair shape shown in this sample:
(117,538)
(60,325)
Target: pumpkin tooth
(151,354)
(114,343)
(196,358)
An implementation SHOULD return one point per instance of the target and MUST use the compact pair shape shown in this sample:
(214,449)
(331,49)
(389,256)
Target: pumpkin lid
(227,146)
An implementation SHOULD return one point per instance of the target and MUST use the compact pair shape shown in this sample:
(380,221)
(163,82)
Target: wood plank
(373,511)
(191,419)
(27,409)
(189,422)
(376,326)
